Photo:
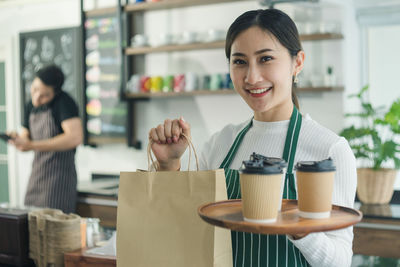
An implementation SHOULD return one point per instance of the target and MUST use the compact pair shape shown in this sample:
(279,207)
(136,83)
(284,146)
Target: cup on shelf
(204,82)
(145,84)
(179,83)
(227,81)
(156,84)
(315,187)
(168,83)
(214,35)
(188,37)
(191,81)
(139,40)
(260,185)
(216,82)
(133,84)
(164,39)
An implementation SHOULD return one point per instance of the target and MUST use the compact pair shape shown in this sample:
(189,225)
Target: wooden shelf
(178,94)
(137,96)
(215,45)
(101,140)
(168,4)
(321,36)
(320,89)
(173,48)
(101,11)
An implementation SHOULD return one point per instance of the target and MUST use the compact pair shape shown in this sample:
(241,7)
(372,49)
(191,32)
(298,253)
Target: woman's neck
(279,113)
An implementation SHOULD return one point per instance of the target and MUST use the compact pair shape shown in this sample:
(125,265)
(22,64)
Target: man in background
(52,129)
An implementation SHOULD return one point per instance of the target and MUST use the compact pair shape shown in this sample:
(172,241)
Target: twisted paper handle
(156,165)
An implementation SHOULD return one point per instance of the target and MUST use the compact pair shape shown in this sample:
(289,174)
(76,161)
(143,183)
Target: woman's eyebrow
(239,54)
(263,51)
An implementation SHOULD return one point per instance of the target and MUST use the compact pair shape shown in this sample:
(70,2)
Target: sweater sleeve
(334,248)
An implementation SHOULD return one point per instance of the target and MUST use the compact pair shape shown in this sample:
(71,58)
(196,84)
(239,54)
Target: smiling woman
(265,56)
(262,72)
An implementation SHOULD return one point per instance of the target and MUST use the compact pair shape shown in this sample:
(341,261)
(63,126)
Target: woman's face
(262,70)
(41,94)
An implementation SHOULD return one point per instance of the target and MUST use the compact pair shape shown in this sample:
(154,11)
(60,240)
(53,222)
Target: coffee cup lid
(260,167)
(281,162)
(325,165)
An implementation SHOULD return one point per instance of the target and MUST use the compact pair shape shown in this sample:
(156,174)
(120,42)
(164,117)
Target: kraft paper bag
(158,223)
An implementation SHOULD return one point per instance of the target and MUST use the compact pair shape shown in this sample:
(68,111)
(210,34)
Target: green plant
(375,138)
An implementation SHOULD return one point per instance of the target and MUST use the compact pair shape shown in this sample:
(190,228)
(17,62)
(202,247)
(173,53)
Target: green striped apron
(265,250)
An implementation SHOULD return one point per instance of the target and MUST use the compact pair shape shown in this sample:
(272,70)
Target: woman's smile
(258,92)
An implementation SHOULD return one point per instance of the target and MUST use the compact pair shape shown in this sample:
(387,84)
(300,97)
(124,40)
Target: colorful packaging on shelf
(168,83)
(156,83)
(216,82)
(179,83)
(145,84)
(205,83)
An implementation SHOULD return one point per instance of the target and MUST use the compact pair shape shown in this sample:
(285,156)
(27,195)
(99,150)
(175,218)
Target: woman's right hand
(168,143)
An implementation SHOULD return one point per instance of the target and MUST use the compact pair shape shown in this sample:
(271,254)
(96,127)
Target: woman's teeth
(259,91)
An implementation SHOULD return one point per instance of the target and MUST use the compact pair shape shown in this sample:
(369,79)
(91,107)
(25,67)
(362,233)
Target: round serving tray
(228,214)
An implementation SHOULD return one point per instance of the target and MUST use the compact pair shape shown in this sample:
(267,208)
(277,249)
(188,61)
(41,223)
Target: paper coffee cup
(260,185)
(272,160)
(315,187)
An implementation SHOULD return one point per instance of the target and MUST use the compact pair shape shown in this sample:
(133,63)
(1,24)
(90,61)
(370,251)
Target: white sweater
(315,142)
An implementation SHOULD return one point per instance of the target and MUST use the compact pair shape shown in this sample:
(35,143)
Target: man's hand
(22,144)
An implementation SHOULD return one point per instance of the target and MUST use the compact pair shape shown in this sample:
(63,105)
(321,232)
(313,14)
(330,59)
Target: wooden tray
(228,214)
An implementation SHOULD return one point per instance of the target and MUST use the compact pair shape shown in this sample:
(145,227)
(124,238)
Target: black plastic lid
(325,165)
(256,157)
(260,167)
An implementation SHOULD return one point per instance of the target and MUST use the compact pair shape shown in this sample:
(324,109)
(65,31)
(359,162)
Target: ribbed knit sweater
(333,248)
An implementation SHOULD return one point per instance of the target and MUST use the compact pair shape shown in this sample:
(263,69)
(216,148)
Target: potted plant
(376,141)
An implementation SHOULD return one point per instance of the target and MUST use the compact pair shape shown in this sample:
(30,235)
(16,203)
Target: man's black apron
(53,179)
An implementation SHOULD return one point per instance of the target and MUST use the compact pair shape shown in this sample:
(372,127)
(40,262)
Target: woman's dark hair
(273,21)
(51,76)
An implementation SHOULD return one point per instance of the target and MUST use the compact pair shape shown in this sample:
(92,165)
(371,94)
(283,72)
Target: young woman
(52,129)
(265,56)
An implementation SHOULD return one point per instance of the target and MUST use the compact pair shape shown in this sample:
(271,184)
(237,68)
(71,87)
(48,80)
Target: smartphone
(5,137)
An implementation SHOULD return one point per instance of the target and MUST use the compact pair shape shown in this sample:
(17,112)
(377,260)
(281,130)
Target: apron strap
(289,152)
(235,146)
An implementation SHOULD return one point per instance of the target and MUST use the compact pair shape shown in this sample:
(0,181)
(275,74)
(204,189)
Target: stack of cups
(261,189)
(315,186)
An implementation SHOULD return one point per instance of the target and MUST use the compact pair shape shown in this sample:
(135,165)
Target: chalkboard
(106,114)
(62,47)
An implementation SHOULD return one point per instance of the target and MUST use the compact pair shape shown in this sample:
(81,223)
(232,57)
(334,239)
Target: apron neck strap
(292,137)
(235,146)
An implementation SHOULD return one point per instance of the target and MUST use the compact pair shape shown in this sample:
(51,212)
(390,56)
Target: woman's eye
(239,62)
(266,58)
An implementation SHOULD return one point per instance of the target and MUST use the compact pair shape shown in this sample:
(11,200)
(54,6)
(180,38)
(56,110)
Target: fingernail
(169,141)
(175,139)
(181,118)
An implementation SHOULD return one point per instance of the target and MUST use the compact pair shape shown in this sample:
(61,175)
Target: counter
(378,234)
(99,199)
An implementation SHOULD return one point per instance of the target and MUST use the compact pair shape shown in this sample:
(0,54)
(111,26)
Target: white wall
(206,114)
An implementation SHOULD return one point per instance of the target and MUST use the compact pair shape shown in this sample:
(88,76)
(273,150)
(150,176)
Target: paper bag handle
(155,164)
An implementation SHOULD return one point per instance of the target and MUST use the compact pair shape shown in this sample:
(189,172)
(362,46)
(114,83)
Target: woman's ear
(299,62)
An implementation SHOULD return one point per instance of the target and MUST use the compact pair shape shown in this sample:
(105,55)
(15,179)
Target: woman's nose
(253,75)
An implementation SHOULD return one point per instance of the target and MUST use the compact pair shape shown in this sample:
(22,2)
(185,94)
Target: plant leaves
(392,117)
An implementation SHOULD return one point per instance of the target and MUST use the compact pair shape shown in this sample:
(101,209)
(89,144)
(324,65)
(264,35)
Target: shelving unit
(157,95)
(131,55)
(148,6)
(131,51)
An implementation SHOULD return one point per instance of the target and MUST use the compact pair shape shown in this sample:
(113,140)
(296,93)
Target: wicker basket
(375,187)
(51,233)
